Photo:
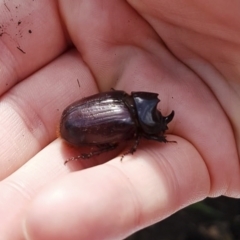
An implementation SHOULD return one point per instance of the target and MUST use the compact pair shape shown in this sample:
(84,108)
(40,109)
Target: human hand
(185,51)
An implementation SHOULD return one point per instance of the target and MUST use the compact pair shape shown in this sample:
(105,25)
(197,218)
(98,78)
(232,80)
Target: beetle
(106,119)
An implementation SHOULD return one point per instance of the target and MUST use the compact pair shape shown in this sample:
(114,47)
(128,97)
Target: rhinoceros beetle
(104,120)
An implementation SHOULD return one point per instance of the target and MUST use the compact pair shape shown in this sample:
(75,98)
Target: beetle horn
(169,118)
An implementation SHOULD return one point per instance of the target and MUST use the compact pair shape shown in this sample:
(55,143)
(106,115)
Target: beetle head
(151,121)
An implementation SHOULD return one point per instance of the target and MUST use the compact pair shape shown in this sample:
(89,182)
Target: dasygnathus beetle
(104,120)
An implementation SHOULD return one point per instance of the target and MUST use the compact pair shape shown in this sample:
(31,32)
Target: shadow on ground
(211,219)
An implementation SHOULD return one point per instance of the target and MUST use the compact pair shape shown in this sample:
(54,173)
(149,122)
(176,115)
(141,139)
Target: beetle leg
(102,148)
(133,148)
(160,138)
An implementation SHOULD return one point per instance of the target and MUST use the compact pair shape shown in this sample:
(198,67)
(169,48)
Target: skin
(187,51)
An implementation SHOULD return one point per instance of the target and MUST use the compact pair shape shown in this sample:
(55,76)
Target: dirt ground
(211,219)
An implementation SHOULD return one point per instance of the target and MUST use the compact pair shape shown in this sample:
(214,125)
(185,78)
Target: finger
(115,199)
(30,112)
(31,35)
(20,188)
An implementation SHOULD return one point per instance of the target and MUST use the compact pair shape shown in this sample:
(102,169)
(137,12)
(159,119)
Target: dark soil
(211,219)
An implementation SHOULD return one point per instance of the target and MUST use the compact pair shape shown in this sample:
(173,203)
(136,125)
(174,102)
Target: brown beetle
(106,119)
